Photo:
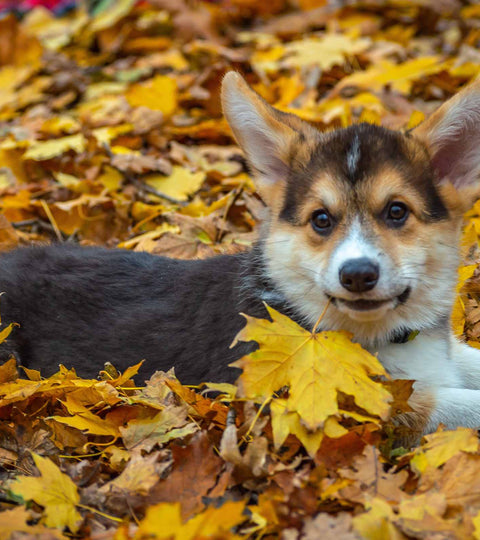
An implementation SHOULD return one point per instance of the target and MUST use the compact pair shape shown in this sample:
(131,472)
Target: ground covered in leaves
(111,133)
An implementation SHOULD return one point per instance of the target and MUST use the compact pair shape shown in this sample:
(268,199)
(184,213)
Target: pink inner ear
(452,163)
(457,153)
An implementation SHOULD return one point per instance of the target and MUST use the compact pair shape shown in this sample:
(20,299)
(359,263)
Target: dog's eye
(397,213)
(321,221)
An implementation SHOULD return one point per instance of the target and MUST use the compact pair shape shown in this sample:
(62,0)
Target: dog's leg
(451,407)
(454,397)
(467,362)
(455,407)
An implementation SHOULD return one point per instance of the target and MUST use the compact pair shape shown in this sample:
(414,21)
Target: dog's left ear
(271,139)
(452,135)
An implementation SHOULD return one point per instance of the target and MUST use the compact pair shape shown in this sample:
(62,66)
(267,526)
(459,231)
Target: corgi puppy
(364,219)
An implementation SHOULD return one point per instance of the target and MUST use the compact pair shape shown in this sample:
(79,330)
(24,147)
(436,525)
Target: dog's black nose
(359,275)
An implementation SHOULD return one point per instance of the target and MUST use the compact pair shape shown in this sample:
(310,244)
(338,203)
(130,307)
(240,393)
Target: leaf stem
(80,456)
(108,516)
(51,219)
(257,416)
(314,330)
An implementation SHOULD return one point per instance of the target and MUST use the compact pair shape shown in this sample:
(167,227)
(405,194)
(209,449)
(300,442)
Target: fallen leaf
(53,490)
(158,94)
(442,446)
(43,150)
(398,76)
(314,366)
(325,52)
(377,522)
(194,474)
(145,433)
(14,522)
(163,521)
(179,185)
(139,476)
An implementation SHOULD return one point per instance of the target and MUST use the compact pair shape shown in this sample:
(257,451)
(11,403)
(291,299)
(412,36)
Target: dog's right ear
(269,138)
(452,135)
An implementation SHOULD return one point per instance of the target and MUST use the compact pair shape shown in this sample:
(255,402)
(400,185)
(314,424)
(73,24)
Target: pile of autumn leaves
(303,446)
(301,451)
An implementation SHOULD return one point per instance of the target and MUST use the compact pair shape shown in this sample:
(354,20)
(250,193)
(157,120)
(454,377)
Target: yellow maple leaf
(315,367)
(15,521)
(8,371)
(53,490)
(458,310)
(285,422)
(476,524)
(164,521)
(85,420)
(109,17)
(62,123)
(7,331)
(157,94)
(441,446)
(376,522)
(105,135)
(146,241)
(325,52)
(180,184)
(398,76)
(44,150)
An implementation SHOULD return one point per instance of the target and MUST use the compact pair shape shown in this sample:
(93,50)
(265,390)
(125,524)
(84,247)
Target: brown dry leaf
(329,527)
(138,477)
(168,424)
(424,514)
(205,408)
(458,480)
(194,475)
(401,391)
(253,462)
(368,480)
(196,238)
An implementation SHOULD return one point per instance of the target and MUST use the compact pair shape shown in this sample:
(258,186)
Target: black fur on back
(83,307)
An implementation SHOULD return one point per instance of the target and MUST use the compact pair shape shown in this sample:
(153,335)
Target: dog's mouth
(364,304)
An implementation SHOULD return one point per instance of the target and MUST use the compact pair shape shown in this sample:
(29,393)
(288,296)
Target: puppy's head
(365,217)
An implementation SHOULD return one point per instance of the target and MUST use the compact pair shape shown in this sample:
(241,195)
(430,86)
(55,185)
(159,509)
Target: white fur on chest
(426,359)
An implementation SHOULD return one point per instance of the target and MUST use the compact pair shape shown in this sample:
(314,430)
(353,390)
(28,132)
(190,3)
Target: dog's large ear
(269,138)
(452,135)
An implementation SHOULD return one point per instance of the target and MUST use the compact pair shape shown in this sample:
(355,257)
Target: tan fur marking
(328,193)
(422,402)
(388,185)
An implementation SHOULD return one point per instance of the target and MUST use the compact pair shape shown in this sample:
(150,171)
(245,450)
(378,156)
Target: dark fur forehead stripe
(356,153)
